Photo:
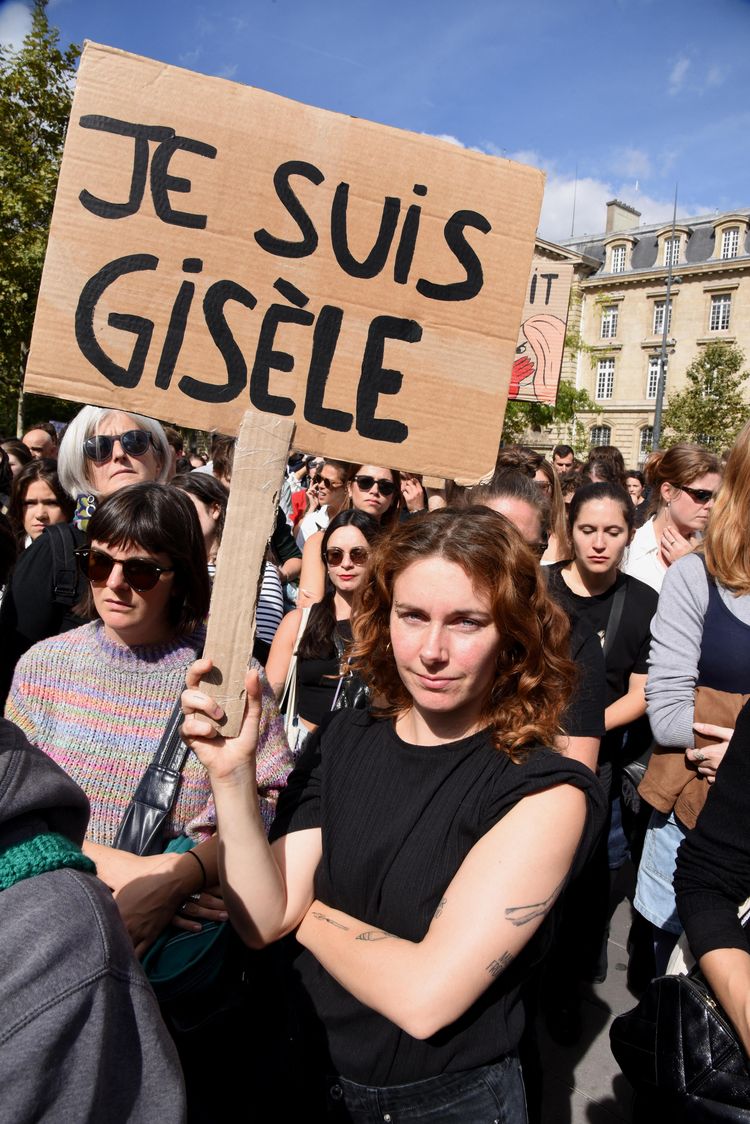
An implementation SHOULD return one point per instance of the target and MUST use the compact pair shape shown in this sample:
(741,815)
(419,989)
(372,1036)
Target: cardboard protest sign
(215,247)
(535,375)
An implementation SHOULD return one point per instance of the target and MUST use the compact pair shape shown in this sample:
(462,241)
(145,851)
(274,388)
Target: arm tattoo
(439,910)
(522,914)
(376,935)
(323,917)
(495,967)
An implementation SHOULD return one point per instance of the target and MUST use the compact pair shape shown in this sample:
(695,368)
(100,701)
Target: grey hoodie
(81,1037)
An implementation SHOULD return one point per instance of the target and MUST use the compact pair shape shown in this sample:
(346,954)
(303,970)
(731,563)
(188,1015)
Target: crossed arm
(495,903)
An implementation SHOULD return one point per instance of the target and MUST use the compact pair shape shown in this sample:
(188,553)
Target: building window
(652,380)
(605,378)
(671,251)
(720,307)
(659,307)
(618,259)
(601,435)
(646,442)
(609,322)
(730,242)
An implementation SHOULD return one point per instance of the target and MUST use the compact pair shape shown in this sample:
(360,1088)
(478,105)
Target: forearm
(626,709)
(386,973)
(180,873)
(728,972)
(252,884)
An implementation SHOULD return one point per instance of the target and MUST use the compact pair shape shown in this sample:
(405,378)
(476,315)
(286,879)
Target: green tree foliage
(522,416)
(712,409)
(36,85)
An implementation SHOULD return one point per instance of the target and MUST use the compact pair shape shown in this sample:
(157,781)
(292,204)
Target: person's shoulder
(687,575)
(642,593)
(540,768)
(75,641)
(87,940)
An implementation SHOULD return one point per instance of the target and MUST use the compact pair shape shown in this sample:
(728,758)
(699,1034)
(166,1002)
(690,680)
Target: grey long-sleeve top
(676,634)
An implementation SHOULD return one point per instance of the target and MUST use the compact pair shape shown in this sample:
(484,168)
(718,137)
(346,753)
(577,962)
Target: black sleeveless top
(317,681)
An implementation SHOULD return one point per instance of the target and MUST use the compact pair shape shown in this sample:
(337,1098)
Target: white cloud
(15,23)
(633,163)
(228,71)
(678,73)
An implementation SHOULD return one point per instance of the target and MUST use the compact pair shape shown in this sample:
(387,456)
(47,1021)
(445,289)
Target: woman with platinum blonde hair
(102,451)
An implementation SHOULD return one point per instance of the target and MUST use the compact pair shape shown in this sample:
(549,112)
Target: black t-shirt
(584,717)
(628,654)
(397,821)
(318,679)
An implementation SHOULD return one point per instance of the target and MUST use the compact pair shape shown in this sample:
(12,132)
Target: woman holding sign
(419,847)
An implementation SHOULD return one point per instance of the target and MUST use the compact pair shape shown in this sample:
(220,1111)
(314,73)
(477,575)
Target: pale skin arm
(282,650)
(489,912)
(313,576)
(585,750)
(728,972)
(150,889)
(625,710)
(267,890)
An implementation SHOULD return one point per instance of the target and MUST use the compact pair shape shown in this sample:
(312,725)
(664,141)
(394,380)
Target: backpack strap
(62,543)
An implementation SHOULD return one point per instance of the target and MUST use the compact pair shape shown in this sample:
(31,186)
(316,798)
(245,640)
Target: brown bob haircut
(158,519)
(534,674)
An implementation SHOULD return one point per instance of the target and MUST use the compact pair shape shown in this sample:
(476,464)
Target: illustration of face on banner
(214,246)
(535,375)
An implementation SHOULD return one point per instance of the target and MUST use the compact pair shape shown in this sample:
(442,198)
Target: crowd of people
(467,709)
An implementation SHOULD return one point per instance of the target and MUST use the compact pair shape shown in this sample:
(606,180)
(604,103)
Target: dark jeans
(493,1094)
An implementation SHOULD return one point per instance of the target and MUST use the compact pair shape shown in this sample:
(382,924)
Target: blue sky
(635,94)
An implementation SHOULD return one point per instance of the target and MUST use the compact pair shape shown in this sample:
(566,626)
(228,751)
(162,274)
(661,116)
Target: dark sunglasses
(136,443)
(329,484)
(358,555)
(140,574)
(367,483)
(699,495)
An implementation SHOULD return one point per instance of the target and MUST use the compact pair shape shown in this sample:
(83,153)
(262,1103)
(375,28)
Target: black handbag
(142,826)
(678,1043)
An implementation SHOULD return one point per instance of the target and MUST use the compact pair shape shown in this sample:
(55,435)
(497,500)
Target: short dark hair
(637,475)
(161,519)
(563,451)
(20,451)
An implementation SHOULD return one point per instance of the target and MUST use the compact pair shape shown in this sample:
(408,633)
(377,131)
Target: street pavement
(582,1084)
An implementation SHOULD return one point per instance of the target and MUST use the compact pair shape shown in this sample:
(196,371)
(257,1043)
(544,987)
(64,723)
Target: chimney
(620,216)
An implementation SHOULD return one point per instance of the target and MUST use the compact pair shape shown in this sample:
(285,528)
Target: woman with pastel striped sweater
(97,699)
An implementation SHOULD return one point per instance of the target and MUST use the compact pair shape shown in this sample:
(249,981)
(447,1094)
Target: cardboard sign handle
(259,462)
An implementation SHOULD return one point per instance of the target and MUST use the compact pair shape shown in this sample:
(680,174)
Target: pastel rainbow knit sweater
(99,710)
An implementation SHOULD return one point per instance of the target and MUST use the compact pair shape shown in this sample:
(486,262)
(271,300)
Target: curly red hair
(534,674)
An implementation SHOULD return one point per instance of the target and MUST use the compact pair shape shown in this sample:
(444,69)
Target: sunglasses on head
(357,555)
(136,443)
(700,495)
(367,483)
(140,574)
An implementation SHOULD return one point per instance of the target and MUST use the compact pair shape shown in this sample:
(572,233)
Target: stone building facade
(622,285)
